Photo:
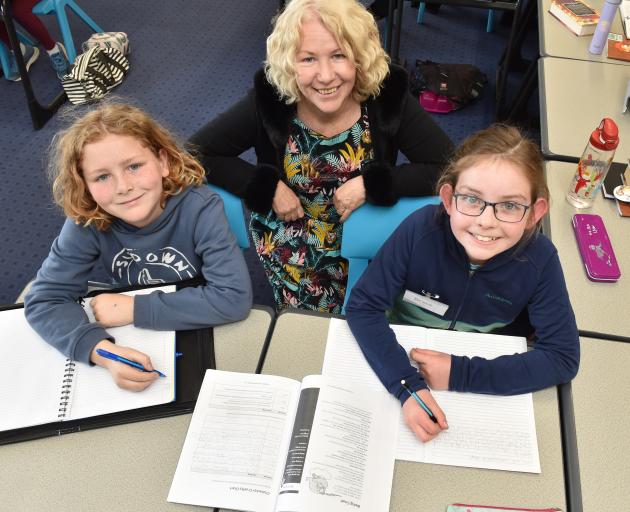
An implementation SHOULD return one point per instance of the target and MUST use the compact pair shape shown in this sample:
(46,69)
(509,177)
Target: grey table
(297,349)
(124,468)
(574,97)
(556,40)
(602,409)
(599,307)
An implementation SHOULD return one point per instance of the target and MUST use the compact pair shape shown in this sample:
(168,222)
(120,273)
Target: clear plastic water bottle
(594,164)
(603,26)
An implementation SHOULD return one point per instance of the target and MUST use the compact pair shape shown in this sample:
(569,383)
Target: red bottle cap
(606,135)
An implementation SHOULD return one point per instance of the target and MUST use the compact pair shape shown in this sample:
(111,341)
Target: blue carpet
(190,60)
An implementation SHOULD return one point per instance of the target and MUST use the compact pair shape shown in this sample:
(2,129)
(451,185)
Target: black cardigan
(261,120)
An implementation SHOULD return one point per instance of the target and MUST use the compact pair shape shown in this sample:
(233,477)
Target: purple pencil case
(595,248)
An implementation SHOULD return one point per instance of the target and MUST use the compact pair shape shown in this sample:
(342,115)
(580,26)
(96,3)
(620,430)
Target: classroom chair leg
(490,22)
(421,9)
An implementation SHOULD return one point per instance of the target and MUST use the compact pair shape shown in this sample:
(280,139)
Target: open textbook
(267,443)
(40,385)
(485,431)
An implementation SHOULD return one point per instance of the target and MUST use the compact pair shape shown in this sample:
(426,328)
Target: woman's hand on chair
(286,204)
(349,197)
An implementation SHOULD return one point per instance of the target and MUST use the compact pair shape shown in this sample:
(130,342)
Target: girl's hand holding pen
(419,421)
(125,376)
(434,366)
(112,309)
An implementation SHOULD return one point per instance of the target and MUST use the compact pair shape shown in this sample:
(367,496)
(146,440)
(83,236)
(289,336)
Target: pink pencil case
(460,507)
(595,248)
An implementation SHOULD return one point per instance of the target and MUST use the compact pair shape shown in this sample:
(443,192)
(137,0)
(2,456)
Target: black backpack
(460,83)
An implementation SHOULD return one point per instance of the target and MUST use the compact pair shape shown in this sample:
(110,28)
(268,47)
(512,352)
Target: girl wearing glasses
(477,262)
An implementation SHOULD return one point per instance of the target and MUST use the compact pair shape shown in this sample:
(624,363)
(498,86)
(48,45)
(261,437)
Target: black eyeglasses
(505,211)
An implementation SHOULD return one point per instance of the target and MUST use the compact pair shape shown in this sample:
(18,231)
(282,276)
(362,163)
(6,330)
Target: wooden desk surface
(124,468)
(556,40)
(602,409)
(598,307)
(574,97)
(297,349)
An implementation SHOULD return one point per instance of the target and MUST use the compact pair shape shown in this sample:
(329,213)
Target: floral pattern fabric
(302,258)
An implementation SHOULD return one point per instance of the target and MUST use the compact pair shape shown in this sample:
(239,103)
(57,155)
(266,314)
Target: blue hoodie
(190,238)
(423,256)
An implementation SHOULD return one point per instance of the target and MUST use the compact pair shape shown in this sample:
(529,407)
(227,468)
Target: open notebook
(40,385)
(485,431)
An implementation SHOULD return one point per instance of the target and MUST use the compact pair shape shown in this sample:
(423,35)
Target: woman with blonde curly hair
(136,202)
(327,117)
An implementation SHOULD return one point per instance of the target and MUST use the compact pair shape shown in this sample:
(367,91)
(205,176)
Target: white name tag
(424,302)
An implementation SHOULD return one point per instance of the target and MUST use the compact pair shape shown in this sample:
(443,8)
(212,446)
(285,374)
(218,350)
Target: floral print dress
(302,258)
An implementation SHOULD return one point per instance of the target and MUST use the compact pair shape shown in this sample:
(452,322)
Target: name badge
(435,306)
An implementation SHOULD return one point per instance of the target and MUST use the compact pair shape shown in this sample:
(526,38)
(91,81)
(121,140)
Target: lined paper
(485,431)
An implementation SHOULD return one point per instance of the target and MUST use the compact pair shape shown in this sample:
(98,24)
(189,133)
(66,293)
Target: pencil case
(595,248)
(460,507)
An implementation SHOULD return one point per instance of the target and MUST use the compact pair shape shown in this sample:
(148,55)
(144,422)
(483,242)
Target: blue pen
(419,400)
(120,359)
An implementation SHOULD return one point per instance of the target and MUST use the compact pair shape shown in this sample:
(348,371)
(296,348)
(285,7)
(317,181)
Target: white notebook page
(497,432)
(95,392)
(32,373)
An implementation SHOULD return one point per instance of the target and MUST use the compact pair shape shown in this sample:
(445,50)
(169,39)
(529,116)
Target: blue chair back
(58,7)
(367,228)
(235,214)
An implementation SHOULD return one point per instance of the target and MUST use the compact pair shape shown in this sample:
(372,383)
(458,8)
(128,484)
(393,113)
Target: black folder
(197,347)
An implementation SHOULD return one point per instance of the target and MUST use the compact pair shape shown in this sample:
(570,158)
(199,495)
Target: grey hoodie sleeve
(226,296)
(51,307)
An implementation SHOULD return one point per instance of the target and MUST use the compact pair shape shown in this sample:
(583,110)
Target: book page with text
(234,452)
(350,461)
(344,359)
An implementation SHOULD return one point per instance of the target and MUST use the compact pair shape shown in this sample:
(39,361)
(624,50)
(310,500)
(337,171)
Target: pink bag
(438,103)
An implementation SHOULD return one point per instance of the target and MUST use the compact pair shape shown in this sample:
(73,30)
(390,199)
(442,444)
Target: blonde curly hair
(70,192)
(350,24)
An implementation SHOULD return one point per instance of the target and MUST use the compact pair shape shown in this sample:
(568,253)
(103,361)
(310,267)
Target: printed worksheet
(485,431)
(266,443)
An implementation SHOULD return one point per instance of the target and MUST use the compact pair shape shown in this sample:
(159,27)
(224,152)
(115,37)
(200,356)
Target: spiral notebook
(40,385)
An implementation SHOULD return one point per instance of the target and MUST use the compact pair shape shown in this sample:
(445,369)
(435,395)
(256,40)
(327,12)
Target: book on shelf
(264,443)
(482,428)
(576,15)
(618,47)
(40,385)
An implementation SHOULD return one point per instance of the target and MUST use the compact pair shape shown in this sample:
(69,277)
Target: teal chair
(367,228)
(58,7)
(6,58)
(235,214)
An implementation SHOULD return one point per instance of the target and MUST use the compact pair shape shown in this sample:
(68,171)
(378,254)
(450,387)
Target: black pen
(419,400)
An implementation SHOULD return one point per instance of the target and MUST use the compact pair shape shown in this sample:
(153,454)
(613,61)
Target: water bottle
(603,27)
(594,164)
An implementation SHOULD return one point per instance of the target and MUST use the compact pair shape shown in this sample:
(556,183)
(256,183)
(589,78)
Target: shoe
(29,54)
(59,61)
